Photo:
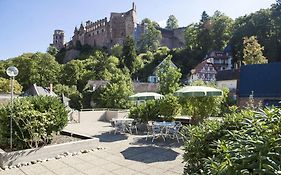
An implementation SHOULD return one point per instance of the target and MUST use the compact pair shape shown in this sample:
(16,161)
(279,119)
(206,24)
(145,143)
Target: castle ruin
(104,33)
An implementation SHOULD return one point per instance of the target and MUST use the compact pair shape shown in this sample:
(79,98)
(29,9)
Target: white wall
(230,84)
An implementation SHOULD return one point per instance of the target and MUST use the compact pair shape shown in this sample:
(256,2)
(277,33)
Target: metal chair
(174,131)
(157,131)
(132,126)
(119,126)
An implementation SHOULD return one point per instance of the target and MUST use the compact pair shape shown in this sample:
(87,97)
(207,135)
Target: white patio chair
(132,125)
(157,131)
(174,131)
(119,126)
(149,129)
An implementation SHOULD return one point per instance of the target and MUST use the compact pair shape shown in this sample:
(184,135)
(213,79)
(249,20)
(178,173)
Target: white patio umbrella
(146,96)
(198,91)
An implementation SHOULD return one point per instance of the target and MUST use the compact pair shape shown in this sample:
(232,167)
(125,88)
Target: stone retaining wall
(28,155)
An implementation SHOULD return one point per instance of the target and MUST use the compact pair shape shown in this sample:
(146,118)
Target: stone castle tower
(101,33)
(58,39)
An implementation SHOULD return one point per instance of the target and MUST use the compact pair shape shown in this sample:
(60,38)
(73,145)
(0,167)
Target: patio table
(164,126)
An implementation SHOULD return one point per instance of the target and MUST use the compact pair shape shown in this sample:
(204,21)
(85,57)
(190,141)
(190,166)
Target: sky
(28,25)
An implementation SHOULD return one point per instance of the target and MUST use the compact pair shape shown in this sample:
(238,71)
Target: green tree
(172,22)
(191,36)
(169,76)
(221,31)
(52,50)
(6,88)
(151,38)
(116,50)
(46,69)
(72,72)
(204,33)
(200,108)
(117,91)
(253,51)
(129,53)
(27,71)
(169,107)
(70,92)
(35,121)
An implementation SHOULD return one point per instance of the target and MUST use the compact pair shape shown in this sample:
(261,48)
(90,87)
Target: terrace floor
(122,154)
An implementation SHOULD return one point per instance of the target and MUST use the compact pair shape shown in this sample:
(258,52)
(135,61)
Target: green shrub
(247,142)
(169,107)
(146,111)
(35,120)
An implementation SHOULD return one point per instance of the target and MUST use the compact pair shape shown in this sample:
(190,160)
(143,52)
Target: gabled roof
(162,62)
(35,90)
(201,65)
(263,79)
(228,75)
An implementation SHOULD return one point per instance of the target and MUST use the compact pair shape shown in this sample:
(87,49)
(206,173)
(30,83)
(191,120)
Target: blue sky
(28,25)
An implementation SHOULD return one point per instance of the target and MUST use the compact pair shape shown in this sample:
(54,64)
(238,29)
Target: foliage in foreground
(5,86)
(247,142)
(200,108)
(35,120)
(148,111)
(167,107)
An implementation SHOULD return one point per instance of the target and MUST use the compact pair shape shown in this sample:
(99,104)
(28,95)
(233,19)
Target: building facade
(107,33)
(204,71)
(101,33)
(221,60)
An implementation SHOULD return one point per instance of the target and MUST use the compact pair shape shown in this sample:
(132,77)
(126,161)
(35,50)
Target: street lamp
(12,71)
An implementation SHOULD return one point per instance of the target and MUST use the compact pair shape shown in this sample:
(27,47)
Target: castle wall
(172,38)
(117,27)
(167,38)
(97,33)
(179,39)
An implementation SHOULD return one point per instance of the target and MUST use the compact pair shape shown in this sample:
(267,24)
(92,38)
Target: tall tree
(52,50)
(191,36)
(129,53)
(150,39)
(169,76)
(5,86)
(253,51)
(172,22)
(204,33)
(221,30)
(72,72)
(117,91)
(46,69)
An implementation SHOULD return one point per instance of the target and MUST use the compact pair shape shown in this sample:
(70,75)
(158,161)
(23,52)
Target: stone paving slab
(123,155)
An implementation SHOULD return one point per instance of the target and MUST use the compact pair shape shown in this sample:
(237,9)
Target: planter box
(16,157)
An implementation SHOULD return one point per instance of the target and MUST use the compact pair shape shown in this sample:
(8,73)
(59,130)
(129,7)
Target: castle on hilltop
(104,33)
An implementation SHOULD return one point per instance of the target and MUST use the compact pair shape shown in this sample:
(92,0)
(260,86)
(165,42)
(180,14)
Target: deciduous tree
(172,22)
(253,51)
(169,76)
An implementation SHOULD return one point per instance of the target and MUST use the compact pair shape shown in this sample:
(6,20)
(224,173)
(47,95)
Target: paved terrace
(124,154)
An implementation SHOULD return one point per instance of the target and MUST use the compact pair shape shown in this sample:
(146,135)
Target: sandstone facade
(107,33)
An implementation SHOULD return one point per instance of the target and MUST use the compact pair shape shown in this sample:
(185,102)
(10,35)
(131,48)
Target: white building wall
(230,84)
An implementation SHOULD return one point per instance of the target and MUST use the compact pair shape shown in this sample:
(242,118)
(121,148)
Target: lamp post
(12,71)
